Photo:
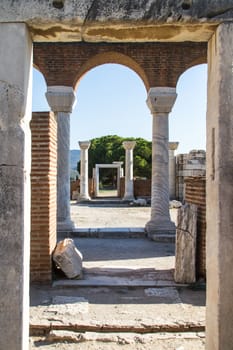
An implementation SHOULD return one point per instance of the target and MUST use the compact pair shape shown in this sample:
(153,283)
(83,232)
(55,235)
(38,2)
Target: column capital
(61,98)
(173,146)
(161,99)
(84,144)
(128,145)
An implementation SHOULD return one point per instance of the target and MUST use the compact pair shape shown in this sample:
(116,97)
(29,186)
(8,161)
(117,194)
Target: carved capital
(128,145)
(173,146)
(161,99)
(84,144)
(60,98)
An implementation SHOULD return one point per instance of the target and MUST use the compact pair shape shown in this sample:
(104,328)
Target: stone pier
(15,163)
(61,100)
(172,169)
(160,101)
(129,190)
(84,190)
(219,236)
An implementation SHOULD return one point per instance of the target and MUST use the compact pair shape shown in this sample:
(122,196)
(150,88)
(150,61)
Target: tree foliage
(107,149)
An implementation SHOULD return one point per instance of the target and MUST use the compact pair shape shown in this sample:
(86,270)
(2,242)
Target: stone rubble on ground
(68,258)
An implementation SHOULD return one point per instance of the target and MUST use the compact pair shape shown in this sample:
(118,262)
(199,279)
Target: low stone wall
(195,193)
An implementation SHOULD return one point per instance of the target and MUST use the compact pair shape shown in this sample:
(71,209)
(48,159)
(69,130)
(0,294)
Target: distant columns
(160,101)
(84,190)
(129,190)
(172,169)
(61,100)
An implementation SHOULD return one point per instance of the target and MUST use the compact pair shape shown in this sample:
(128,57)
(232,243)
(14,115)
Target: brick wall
(43,194)
(158,64)
(195,192)
(142,188)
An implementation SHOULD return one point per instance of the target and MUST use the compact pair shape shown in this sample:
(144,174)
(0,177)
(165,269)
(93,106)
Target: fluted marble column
(160,101)
(129,190)
(61,100)
(172,169)
(84,190)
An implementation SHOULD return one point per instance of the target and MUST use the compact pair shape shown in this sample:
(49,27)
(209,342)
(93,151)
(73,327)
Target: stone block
(186,233)
(68,258)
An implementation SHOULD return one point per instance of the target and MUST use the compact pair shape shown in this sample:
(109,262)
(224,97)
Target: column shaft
(61,100)
(84,190)
(160,101)
(63,168)
(15,163)
(129,185)
(219,314)
(172,169)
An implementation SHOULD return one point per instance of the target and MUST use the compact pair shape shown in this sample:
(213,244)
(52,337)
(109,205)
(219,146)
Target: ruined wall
(195,193)
(43,194)
(188,165)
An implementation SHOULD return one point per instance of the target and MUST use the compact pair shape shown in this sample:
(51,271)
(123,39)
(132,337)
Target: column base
(66,225)
(82,198)
(128,198)
(161,230)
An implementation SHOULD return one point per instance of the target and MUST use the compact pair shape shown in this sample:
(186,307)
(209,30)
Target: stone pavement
(127,296)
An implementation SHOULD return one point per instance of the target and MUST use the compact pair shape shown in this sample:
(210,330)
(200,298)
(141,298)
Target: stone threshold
(121,232)
(115,232)
(46,327)
(114,282)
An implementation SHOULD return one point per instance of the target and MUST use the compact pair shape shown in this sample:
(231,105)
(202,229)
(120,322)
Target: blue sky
(111,100)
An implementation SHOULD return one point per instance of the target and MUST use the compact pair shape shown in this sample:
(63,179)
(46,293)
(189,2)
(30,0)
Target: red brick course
(43,195)
(158,64)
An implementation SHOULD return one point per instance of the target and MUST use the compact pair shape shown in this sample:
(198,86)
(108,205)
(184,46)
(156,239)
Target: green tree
(107,149)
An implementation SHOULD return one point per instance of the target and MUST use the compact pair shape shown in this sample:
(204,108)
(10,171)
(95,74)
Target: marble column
(61,100)
(129,190)
(172,169)
(160,101)
(84,186)
(219,201)
(15,201)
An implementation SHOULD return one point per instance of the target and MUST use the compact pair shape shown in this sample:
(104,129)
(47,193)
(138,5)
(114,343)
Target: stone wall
(188,165)
(43,194)
(195,193)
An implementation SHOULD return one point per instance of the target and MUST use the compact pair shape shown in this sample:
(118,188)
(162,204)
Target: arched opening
(39,102)
(110,101)
(187,123)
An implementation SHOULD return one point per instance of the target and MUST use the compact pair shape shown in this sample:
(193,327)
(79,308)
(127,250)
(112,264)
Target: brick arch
(157,64)
(112,57)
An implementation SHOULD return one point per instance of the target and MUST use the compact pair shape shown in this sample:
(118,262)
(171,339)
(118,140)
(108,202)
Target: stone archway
(210,22)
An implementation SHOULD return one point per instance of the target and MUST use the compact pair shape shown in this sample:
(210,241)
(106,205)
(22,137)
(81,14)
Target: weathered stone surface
(219,234)
(185,264)
(124,20)
(68,258)
(15,113)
